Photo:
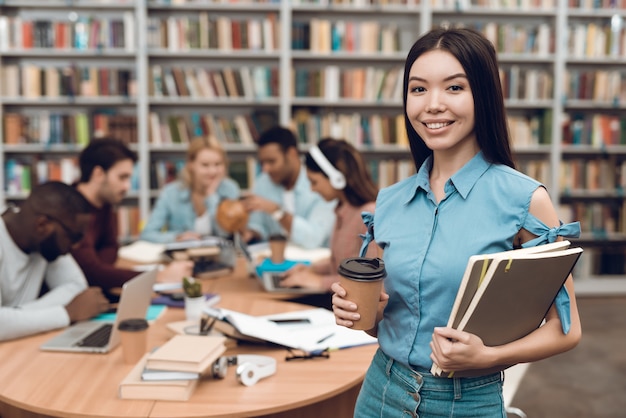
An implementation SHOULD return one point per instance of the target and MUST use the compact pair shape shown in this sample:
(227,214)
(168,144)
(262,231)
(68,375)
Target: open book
(310,330)
(505,296)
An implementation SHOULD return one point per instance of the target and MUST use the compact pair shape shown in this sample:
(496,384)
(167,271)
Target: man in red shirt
(106,167)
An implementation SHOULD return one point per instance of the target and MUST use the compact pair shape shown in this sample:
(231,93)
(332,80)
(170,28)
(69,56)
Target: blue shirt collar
(463,180)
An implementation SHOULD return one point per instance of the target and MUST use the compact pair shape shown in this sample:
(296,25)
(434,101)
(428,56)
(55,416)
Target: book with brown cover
(187,353)
(179,80)
(505,296)
(133,387)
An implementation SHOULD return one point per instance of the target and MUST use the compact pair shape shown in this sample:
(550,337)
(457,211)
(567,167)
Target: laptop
(95,336)
(270,275)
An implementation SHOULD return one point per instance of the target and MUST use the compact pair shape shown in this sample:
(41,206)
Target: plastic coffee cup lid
(362,268)
(133,324)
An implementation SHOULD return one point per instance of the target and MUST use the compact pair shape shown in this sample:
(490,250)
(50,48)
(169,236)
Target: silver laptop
(102,336)
(271,280)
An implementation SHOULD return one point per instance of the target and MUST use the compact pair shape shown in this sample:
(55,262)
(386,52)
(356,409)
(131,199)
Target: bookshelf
(323,67)
(67,69)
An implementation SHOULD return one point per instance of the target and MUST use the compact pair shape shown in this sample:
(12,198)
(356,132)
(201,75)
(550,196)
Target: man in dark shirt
(106,167)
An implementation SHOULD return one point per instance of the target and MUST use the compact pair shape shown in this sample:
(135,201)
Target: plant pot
(193,307)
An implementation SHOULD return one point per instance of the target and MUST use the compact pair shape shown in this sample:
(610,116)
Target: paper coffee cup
(278,244)
(134,339)
(362,278)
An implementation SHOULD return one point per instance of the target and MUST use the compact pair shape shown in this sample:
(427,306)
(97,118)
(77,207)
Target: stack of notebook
(171,372)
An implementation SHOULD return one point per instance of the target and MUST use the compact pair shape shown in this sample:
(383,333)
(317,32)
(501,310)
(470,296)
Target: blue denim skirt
(392,390)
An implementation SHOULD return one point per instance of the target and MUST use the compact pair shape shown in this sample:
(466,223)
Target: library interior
(157,74)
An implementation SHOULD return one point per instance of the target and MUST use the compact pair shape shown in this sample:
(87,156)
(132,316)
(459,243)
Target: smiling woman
(465,199)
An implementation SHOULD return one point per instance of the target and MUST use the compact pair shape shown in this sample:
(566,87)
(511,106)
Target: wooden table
(35,383)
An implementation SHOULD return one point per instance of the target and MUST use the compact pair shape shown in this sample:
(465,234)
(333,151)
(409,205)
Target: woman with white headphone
(337,171)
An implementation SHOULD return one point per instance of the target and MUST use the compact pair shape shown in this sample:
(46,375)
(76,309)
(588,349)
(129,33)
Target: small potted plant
(194,298)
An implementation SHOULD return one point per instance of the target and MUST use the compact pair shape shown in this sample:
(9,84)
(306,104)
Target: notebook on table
(96,336)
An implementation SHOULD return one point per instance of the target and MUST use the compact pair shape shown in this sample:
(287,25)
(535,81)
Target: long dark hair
(360,187)
(478,58)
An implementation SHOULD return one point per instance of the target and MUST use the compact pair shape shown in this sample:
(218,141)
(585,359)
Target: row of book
(73,129)
(334,82)
(352,3)
(597,4)
(495,4)
(597,130)
(598,219)
(86,32)
(532,38)
(528,131)
(255,82)
(128,222)
(598,85)
(33,81)
(258,82)
(526,83)
(537,169)
(371,36)
(374,130)
(591,40)
(223,33)
(76,128)
(181,129)
(358,129)
(22,174)
(528,4)
(592,175)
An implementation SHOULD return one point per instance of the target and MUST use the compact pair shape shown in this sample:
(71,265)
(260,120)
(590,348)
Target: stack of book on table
(171,372)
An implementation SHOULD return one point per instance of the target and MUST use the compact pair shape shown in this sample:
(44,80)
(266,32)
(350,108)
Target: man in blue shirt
(282,201)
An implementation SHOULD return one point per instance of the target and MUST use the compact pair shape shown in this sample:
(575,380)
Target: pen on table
(206,325)
(325,338)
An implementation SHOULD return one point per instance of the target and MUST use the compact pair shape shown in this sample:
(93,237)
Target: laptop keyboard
(98,338)
(277,279)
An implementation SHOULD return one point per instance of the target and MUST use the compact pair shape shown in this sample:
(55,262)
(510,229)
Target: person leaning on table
(34,241)
(106,167)
(338,172)
(186,209)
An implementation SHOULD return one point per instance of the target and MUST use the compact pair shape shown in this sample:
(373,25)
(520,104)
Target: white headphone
(250,367)
(336,177)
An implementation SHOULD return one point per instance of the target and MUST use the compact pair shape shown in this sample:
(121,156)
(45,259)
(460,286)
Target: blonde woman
(186,208)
